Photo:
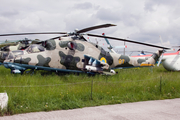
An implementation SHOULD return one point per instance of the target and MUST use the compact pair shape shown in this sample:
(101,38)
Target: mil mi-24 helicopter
(73,53)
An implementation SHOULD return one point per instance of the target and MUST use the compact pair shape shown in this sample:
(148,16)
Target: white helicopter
(170,61)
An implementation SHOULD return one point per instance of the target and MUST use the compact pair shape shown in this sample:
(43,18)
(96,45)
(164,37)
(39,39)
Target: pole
(91,89)
(124,47)
(160,83)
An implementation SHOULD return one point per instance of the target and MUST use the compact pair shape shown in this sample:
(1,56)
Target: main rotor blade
(176,46)
(33,33)
(128,41)
(95,27)
(59,37)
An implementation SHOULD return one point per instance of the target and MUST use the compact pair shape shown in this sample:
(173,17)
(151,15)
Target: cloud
(152,5)
(84,6)
(108,15)
(142,20)
(9,13)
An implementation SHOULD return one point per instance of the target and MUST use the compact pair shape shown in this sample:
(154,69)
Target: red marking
(72,45)
(172,53)
(142,55)
(103,33)
(165,54)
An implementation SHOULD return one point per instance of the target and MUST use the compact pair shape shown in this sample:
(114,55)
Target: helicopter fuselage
(80,55)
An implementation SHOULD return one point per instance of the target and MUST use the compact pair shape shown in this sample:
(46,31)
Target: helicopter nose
(166,65)
(170,65)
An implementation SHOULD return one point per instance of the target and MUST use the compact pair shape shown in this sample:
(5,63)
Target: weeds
(50,91)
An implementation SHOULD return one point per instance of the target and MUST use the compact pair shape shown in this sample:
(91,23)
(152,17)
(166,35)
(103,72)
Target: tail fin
(110,47)
(153,59)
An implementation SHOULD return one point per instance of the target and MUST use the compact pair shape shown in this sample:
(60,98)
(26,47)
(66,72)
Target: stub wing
(20,68)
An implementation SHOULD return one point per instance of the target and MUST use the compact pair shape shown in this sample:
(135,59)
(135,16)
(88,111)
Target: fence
(157,82)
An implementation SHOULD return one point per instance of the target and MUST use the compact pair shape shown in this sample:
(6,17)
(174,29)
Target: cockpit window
(35,48)
(10,56)
(15,53)
(18,52)
(4,55)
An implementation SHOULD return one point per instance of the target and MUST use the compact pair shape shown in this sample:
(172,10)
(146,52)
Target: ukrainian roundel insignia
(103,59)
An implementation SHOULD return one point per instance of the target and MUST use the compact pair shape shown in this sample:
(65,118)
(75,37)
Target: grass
(32,93)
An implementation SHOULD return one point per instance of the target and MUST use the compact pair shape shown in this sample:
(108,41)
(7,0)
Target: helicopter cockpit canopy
(15,53)
(31,49)
(35,48)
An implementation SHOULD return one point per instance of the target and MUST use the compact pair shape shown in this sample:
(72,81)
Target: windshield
(15,53)
(4,54)
(18,52)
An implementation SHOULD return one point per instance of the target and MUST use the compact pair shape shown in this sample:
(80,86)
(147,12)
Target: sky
(143,20)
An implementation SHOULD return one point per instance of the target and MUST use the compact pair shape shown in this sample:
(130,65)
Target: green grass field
(32,93)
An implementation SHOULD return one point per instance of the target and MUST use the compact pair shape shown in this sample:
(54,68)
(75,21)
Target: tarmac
(147,110)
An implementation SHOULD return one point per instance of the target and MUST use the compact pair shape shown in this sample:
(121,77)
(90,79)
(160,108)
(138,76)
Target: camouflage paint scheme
(17,45)
(7,47)
(81,55)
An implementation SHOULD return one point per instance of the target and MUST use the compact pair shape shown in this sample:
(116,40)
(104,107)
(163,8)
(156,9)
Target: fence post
(160,83)
(151,69)
(91,89)
(106,79)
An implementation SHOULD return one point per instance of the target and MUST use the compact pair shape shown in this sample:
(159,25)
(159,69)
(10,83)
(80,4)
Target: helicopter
(170,61)
(71,52)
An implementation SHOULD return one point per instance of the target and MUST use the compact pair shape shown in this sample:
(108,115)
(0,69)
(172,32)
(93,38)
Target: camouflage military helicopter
(73,53)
